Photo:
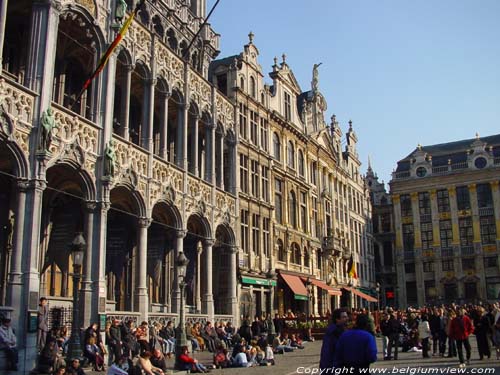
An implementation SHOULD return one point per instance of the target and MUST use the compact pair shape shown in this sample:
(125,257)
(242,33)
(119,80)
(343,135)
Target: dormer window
(288,106)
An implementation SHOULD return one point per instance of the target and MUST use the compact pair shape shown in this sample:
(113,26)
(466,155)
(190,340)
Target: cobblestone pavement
(306,360)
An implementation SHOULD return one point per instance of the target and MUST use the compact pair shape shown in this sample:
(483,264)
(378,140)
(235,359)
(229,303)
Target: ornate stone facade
(132,164)
(304,208)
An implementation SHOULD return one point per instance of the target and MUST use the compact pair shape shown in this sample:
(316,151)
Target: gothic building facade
(131,165)
(167,151)
(446,201)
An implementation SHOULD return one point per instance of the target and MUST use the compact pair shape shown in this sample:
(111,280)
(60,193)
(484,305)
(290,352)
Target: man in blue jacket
(333,332)
(356,348)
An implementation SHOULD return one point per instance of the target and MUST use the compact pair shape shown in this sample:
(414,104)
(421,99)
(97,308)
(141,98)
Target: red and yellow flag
(104,59)
(351,268)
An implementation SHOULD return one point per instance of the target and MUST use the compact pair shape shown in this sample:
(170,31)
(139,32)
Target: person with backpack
(332,335)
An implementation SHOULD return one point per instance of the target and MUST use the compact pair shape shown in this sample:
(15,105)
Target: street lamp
(378,296)
(180,333)
(77,251)
(308,288)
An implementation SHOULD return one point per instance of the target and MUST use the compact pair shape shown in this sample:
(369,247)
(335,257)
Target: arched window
(306,258)
(276,147)
(242,83)
(291,155)
(253,90)
(300,162)
(292,211)
(281,251)
(295,253)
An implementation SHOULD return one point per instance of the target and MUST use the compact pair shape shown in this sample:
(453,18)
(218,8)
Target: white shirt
(115,370)
(7,337)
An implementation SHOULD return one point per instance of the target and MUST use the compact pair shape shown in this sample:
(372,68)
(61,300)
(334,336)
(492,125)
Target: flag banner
(351,268)
(104,59)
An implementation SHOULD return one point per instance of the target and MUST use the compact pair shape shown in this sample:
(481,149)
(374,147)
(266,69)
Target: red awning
(320,284)
(361,294)
(295,284)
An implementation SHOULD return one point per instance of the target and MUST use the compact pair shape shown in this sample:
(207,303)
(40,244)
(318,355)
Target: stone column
(210,154)
(495,190)
(147,115)
(475,215)
(14,291)
(233,302)
(164,127)
(419,271)
(3,21)
(125,101)
(436,240)
(199,250)
(194,146)
(221,161)
(233,168)
(142,261)
(42,50)
(86,286)
(398,251)
(182,126)
(176,294)
(99,287)
(30,271)
(208,297)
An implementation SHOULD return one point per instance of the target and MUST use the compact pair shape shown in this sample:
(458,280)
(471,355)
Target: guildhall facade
(446,201)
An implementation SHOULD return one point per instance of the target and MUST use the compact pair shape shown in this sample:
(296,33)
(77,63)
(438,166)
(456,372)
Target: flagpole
(105,57)
(184,55)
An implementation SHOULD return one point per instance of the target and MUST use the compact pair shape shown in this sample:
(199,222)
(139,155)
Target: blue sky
(406,72)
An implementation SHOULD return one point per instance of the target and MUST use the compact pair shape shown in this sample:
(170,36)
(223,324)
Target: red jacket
(461,328)
(186,359)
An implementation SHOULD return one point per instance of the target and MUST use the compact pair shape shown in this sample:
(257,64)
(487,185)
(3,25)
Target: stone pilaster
(199,250)
(15,282)
(142,302)
(208,297)
(164,127)
(147,115)
(99,287)
(194,146)
(3,21)
(125,101)
(419,271)
(86,286)
(233,302)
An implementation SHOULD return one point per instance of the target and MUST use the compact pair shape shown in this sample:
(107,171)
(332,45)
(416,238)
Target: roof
(454,151)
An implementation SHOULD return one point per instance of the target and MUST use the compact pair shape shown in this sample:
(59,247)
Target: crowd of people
(442,331)
(146,349)
(434,331)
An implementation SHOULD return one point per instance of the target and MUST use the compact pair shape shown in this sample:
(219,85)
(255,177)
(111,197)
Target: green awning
(368,291)
(300,297)
(255,281)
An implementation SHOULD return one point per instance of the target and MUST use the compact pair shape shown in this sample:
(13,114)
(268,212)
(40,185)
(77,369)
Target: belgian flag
(351,268)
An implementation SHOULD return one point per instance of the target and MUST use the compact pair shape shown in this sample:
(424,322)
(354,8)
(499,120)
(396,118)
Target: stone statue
(10,231)
(120,9)
(109,159)
(315,77)
(48,123)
